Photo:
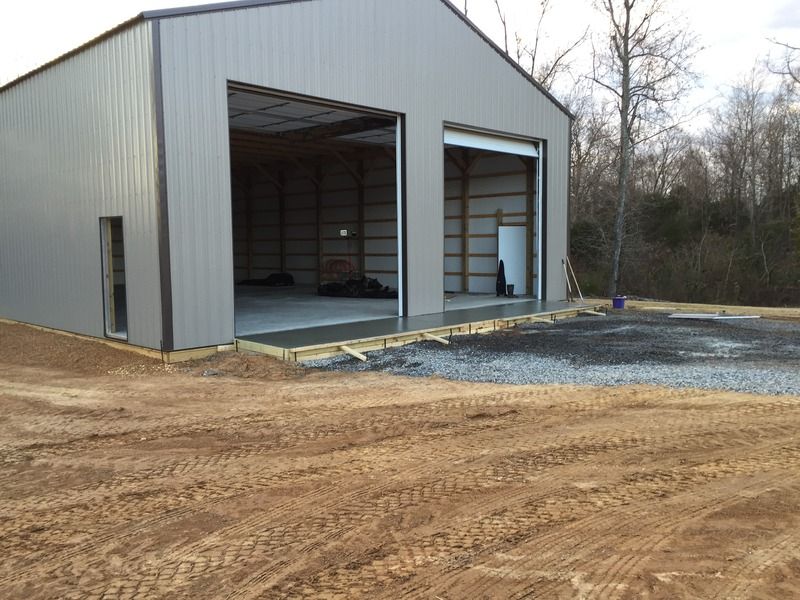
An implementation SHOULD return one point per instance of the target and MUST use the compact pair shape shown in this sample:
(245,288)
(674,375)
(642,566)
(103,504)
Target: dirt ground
(242,477)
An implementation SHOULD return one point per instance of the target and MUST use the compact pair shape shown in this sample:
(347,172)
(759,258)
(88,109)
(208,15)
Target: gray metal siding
(413,57)
(78,143)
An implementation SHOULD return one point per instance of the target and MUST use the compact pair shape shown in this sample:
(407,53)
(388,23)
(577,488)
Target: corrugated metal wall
(77,142)
(413,57)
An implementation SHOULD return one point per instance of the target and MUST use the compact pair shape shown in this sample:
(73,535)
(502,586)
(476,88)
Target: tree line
(666,201)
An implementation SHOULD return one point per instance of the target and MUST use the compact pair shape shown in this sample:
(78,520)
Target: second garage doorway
(492,213)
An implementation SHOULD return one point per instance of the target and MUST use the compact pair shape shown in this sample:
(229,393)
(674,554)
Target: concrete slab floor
(388,327)
(459,301)
(261,309)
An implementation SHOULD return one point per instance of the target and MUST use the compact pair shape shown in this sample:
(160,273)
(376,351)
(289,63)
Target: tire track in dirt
(201,463)
(492,489)
(127,481)
(560,574)
(406,443)
(173,428)
(618,577)
(618,497)
(213,554)
(455,442)
(604,523)
(195,426)
(326,590)
(413,443)
(339,520)
(784,548)
(681,484)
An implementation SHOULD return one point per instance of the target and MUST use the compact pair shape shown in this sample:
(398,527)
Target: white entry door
(511,249)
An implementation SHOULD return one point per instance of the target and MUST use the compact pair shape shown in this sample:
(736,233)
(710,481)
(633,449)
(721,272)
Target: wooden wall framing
(483,190)
(287,218)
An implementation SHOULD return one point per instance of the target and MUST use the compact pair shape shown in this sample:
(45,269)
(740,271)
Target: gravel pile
(757,356)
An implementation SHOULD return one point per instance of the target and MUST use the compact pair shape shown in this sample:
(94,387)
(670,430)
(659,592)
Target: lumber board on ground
(711,316)
(767,312)
(353,353)
(435,338)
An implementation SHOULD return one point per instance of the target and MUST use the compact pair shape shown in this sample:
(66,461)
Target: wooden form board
(394,340)
(783,314)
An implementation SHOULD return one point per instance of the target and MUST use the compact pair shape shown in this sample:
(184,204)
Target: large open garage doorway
(316,196)
(492,214)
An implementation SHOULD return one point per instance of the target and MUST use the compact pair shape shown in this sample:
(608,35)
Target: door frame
(107,261)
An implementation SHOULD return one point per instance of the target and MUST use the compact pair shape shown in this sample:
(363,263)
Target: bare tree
(546,70)
(592,154)
(789,64)
(645,67)
(738,137)
(502,16)
(659,165)
(559,63)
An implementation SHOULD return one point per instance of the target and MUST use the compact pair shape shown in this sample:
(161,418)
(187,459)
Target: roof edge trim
(142,17)
(182,11)
(75,51)
(241,4)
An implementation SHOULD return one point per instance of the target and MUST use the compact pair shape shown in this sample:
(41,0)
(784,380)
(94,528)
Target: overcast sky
(734,32)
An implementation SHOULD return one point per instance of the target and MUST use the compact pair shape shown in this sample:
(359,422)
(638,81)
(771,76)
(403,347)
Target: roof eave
(148,15)
(240,4)
(95,40)
(215,7)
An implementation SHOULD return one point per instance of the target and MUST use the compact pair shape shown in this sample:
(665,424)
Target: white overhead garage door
(487,141)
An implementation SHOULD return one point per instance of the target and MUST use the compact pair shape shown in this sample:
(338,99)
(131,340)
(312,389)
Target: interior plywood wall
(311,221)
(118,251)
(496,182)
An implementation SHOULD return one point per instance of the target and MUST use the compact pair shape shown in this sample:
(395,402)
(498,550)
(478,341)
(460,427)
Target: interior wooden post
(362,255)
(317,180)
(465,221)
(109,249)
(248,209)
(282,218)
(280,184)
(530,219)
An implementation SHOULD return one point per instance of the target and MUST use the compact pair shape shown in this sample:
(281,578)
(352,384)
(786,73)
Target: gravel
(758,356)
